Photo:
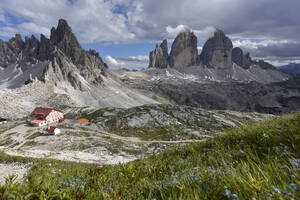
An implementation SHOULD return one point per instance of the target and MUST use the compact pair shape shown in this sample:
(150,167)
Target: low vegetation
(261,161)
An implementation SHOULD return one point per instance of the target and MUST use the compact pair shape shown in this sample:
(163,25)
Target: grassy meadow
(260,161)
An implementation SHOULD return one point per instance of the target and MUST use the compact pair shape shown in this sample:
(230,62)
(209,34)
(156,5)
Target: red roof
(37,121)
(41,112)
(51,129)
(82,121)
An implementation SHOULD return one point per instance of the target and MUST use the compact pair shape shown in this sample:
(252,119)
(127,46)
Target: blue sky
(125,31)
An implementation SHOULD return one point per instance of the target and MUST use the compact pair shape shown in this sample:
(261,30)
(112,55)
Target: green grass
(251,162)
(30,143)
(34,135)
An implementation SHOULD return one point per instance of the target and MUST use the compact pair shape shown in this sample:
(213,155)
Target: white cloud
(113,62)
(256,44)
(91,20)
(2,16)
(7,31)
(139,58)
(28,28)
(134,62)
(277,61)
(173,32)
(205,33)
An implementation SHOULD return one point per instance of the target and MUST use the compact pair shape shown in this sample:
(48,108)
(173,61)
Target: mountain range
(218,60)
(292,69)
(58,72)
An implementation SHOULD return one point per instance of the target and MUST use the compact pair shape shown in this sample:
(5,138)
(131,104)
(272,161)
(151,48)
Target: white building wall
(54,116)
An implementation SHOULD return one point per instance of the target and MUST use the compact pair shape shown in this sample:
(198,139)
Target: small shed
(82,121)
(3,121)
(52,130)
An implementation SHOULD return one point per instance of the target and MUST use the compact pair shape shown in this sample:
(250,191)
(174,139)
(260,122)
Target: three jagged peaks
(217,52)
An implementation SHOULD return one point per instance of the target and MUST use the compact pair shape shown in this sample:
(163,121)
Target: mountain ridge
(218,59)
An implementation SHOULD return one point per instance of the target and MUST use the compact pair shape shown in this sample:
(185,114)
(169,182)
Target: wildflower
(227,192)
(287,193)
(276,190)
(293,186)
(155,183)
(193,177)
(295,163)
(292,175)
(283,167)
(235,196)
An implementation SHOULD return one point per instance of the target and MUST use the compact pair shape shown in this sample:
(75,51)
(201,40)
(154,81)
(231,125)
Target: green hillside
(260,161)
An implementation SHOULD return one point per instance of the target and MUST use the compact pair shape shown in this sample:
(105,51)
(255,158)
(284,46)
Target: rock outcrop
(7,55)
(62,55)
(89,63)
(16,43)
(46,49)
(184,50)
(240,59)
(158,58)
(217,51)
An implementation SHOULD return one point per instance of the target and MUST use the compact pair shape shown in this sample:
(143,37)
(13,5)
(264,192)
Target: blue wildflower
(295,163)
(227,192)
(283,167)
(287,193)
(276,190)
(293,186)
(155,183)
(235,196)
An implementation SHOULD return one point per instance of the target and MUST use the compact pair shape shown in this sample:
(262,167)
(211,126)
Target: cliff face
(158,58)
(184,50)
(60,57)
(217,51)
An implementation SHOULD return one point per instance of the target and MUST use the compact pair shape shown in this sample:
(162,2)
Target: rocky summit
(218,61)
(217,51)
(158,58)
(60,58)
(240,59)
(184,50)
(89,64)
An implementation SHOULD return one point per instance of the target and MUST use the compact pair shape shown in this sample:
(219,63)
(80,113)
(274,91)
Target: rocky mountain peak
(164,47)
(159,56)
(240,59)
(16,43)
(184,50)
(217,51)
(66,41)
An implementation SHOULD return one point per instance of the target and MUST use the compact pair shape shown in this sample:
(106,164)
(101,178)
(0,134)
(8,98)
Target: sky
(125,31)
